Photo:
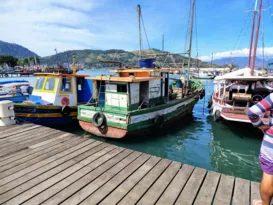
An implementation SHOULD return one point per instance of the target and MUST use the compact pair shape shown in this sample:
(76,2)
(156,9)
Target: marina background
(228,148)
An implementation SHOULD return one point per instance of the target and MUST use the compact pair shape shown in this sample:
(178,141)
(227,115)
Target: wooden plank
(224,190)
(189,192)
(31,150)
(255,191)
(27,137)
(24,135)
(129,183)
(81,178)
(152,195)
(15,127)
(21,146)
(31,179)
(172,192)
(208,189)
(106,188)
(139,190)
(78,144)
(8,165)
(12,133)
(110,150)
(241,194)
(37,159)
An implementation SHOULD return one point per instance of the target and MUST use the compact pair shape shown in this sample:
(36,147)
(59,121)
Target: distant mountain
(15,50)
(240,61)
(92,58)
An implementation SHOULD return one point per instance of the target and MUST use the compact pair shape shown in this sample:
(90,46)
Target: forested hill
(15,50)
(92,58)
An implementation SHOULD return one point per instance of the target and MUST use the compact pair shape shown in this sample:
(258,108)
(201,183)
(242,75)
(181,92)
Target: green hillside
(92,58)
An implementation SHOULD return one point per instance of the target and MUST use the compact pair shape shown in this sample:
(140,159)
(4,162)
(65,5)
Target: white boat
(203,75)
(235,92)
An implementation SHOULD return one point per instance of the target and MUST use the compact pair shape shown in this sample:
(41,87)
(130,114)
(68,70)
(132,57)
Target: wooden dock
(40,165)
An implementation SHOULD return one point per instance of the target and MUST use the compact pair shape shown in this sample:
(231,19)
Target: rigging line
(270,11)
(244,26)
(145,32)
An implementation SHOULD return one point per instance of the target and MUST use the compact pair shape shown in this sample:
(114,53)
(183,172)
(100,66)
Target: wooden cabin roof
(61,74)
(136,70)
(123,79)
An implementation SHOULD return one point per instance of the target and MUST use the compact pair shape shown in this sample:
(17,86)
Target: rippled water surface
(229,148)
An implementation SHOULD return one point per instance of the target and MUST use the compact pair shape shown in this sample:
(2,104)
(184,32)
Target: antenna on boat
(257,38)
(252,33)
(139,29)
(74,65)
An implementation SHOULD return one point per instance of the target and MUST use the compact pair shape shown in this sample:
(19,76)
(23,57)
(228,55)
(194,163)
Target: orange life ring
(65,101)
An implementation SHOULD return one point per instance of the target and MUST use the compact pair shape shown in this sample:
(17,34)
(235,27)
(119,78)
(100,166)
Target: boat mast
(191,30)
(252,34)
(257,38)
(139,29)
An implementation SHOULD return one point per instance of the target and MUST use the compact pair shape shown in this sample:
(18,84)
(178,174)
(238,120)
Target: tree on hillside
(9,60)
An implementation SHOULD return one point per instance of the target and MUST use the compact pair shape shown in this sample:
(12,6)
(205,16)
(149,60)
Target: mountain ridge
(15,50)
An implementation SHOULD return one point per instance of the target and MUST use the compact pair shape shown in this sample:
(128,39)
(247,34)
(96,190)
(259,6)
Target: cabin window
(122,88)
(66,85)
(40,83)
(50,84)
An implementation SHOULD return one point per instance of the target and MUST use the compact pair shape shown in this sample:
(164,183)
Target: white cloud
(45,25)
(239,53)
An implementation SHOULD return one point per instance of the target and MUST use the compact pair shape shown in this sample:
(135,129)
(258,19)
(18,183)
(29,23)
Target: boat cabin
(240,90)
(61,89)
(135,89)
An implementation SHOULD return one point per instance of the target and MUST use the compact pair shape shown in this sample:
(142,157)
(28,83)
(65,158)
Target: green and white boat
(137,101)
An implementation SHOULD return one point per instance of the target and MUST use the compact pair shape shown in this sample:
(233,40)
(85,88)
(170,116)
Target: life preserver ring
(159,120)
(65,101)
(65,111)
(99,119)
(217,115)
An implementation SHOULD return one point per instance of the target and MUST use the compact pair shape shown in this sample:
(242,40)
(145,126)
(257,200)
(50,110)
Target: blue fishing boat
(16,91)
(55,99)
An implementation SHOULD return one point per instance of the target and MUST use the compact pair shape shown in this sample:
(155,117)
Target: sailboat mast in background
(257,38)
(252,34)
(191,31)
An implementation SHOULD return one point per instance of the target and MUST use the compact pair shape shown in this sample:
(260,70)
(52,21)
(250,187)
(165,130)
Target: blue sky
(106,24)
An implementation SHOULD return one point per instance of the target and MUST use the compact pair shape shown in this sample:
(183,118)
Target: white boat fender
(99,119)
(159,120)
(65,111)
(7,115)
(217,115)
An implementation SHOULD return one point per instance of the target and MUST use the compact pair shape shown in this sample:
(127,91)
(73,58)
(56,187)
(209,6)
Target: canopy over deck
(60,74)
(244,74)
(131,79)
(137,70)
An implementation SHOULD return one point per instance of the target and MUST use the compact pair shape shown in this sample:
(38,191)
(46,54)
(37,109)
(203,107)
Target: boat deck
(43,165)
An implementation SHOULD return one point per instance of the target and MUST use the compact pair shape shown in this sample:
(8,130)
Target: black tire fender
(217,115)
(96,117)
(65,111)
(159,120)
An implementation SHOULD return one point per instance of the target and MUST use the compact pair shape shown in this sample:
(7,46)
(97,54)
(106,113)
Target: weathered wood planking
(41,165)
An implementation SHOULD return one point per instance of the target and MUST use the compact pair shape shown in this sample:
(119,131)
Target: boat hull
(144,126)
(15,99)
(44,115)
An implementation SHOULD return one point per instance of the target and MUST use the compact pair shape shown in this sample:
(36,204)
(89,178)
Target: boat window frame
(71,86)
(35,87)
(44,84)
